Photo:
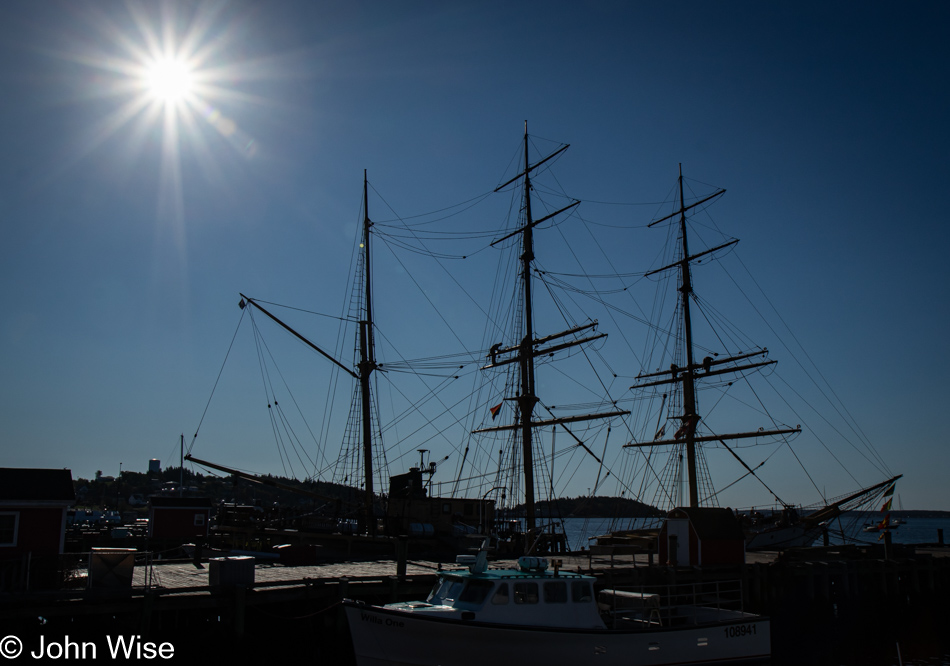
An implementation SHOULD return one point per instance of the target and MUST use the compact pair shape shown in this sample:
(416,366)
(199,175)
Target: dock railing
(671,604)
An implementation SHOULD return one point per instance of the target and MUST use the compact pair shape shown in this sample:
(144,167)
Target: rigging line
(411,277)
(341,336)
(382,462)
(431,422)
(627,203)
(288,427)
(312,312)
(468,203)
(291,437)
(724,388)
(432,235)
(293,399)
(264,381)
(599,276)
(415,406)
(217,379)
(730,485)
(609,312)
(583,350)
(424,251)
(830,424)
(850,420)
(648,465)
(738,338)
(751,471)
(428,300)
(702,311)
(389,239)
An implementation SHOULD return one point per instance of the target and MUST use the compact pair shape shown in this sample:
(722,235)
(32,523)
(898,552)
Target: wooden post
(240,603)
(402,554)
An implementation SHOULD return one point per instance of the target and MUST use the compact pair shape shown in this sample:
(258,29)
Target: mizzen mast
(687,376)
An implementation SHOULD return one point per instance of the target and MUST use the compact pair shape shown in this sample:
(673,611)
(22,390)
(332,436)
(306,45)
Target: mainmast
(527,400)
(688,375)
(527,349)
(689,388)
(366,366)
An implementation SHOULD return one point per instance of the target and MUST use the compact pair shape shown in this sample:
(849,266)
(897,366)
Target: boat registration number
(740,630)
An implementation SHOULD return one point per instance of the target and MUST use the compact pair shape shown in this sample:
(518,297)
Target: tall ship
(498,431)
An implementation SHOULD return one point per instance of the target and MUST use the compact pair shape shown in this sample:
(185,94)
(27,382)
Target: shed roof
(711,522)
(32,485)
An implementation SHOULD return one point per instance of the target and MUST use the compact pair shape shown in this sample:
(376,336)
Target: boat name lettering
(375,619)
(740,630)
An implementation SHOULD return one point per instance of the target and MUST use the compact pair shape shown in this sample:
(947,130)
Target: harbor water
(915,531)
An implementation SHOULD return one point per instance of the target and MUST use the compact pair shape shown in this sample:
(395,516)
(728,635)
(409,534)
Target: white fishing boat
(534,614)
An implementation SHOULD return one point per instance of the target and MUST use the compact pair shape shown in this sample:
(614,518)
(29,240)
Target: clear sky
(131,223)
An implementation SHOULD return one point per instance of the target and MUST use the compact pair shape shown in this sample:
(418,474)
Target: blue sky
(127,237)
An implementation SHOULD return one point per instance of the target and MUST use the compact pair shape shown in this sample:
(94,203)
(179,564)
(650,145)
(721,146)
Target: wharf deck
(181,575)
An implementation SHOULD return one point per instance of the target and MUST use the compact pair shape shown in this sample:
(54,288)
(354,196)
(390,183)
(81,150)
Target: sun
(169,80)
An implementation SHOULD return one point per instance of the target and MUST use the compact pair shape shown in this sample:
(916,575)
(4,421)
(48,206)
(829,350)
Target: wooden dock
(299,605)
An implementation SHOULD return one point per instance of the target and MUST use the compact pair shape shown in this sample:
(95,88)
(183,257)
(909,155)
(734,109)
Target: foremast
(687,376)
(527,349)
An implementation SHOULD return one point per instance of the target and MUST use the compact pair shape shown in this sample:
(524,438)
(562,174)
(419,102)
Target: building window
(9,522)
(199,520)
(446,507)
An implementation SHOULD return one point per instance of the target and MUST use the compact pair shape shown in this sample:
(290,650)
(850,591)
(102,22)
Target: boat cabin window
(445,589)
(501,595)
(555,592)
(435,596)
(476,591)
(526,593)
(581,592)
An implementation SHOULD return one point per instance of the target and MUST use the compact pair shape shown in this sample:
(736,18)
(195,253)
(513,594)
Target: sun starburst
(169,80)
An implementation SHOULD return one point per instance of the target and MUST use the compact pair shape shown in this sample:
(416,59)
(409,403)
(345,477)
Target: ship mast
(688,375)
(527,400)
(527,349)
(689,387)
(366,366)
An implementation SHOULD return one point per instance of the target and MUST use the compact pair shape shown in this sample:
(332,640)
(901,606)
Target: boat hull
(385,637)
(794,536)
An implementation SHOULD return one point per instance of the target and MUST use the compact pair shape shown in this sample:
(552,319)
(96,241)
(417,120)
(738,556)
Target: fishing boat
(534,614)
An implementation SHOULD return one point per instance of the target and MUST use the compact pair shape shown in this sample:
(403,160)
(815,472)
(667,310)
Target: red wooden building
(701,536)
(179,519)
(33,505)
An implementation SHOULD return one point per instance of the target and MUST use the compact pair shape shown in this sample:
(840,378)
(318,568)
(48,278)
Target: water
(915,531)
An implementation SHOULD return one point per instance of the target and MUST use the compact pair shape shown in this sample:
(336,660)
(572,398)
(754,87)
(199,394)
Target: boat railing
(671,605)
